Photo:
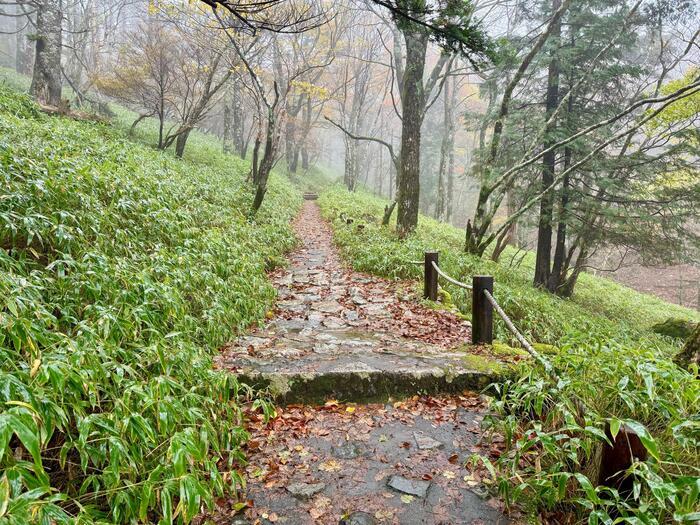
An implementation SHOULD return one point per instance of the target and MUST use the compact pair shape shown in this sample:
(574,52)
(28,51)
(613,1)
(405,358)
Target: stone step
(359,367)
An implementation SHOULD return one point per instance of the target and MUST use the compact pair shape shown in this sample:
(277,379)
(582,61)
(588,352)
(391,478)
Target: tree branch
(388,146)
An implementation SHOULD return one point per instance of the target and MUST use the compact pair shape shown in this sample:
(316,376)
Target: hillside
(600,308)
(122,271)
(612,371)
(126,271)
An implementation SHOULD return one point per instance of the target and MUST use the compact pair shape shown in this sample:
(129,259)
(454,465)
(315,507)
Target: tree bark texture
(413,107)
(46,75)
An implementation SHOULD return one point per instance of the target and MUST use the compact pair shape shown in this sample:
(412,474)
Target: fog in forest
(538,124)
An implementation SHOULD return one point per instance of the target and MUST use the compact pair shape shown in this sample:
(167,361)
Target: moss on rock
(674,327)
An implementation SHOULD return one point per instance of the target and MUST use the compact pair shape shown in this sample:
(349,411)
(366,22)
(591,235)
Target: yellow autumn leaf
(329,466)
(35,367)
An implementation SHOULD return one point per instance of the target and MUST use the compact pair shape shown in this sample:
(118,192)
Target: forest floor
(381,410)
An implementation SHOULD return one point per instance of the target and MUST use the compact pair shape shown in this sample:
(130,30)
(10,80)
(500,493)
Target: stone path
(339,338)
(344,335)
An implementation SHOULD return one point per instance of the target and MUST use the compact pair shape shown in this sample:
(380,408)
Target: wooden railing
(619,454)
(482,309)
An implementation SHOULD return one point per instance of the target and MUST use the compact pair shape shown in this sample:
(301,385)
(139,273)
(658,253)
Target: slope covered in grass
(599,307)
(607,359)
(122,270)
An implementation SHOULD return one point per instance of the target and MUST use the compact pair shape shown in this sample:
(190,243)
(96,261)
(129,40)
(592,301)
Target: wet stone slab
(383,478)
(357,366)
(412,487)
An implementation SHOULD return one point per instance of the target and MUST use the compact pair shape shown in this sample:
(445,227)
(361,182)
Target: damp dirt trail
(379,411)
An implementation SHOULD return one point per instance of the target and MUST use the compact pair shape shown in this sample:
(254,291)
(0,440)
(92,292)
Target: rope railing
(419,263)
(450,279)
(520,337)
(483,305)
(614,460)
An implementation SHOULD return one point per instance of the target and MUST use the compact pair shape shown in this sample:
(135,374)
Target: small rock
(294,306)
(351,315)
(409,486)
(305,491)
(358,300)
(328,307)
(358,518)
(426,442)
(333,323)
(349,450)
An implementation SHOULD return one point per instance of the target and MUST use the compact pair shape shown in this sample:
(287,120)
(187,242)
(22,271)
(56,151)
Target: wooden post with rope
(430,281)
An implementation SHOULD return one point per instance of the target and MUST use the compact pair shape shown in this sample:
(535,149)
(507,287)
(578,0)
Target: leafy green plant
(552,446)
(122,270)
(603,347)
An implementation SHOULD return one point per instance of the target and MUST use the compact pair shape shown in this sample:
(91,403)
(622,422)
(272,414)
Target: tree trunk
(161,129)
(691,351)
(413,107)
(450,184)
(262,173)
(227,128)
(446,149)
(559,269)
(349,175)
(238,132)
(181,142)
(46,75)
(544,228)
(291,151)
(511,206)
(304,158)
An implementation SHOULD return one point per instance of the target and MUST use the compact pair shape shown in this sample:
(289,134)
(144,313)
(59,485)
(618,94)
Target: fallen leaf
(407,498)
(449,474)
(330,466)
(382,515)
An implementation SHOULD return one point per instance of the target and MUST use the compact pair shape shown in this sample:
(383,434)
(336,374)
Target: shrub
(121,271)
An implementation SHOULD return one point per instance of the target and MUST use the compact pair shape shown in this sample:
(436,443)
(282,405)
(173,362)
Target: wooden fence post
(430,282)
(482,311)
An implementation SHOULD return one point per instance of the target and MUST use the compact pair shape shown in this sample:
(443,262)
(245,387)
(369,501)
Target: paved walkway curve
(398,457)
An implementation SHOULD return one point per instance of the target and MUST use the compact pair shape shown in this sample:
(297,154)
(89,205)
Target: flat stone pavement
(339,339)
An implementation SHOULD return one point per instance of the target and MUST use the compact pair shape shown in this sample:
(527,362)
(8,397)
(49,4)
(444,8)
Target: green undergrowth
(122,270)
(613,370)
(314,179)
(599,307)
